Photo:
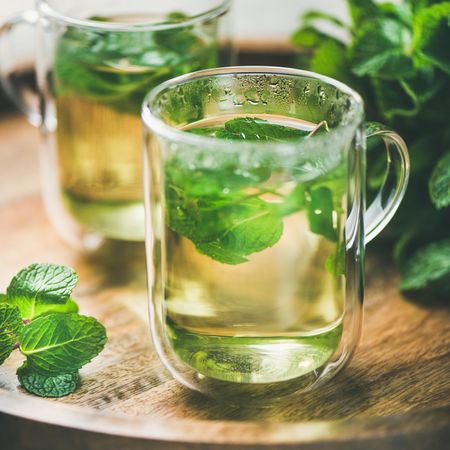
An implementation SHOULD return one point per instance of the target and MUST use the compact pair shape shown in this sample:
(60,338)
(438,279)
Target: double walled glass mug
(95,61)
(256,226)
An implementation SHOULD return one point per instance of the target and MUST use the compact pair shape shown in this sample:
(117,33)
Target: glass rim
(161,128)
(43,6)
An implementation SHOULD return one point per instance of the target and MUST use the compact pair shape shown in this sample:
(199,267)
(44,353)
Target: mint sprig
(398,58)
(38,316)
(39,285)
(221,207)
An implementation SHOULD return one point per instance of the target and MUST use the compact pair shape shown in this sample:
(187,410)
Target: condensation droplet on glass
(239,100)
(322,95)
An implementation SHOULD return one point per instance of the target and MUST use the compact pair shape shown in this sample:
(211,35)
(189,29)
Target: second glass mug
(95,60)
(255,250)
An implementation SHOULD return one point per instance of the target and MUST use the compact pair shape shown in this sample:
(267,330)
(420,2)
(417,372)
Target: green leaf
(362,10)
(253,129)
(228,230)
(320,213)
(427,265)
(308,37)
(440,182)
(431,36)
(69,307)
(10,327)
(330,58)
(381,48)
(47,386)
(41,284)
(59,343)
(3,298)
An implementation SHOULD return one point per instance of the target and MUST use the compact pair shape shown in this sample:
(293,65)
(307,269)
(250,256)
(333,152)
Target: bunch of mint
(38,317)
(397,56)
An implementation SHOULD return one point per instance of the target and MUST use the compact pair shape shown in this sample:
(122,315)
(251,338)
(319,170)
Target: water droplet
(273,82)
(252,96)
(239,100)
(322,95)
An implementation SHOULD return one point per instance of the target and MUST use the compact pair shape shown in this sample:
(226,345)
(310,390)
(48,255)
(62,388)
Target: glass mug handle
(29,103)
(388,199)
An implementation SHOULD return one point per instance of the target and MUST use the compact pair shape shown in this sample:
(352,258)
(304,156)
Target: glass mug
(255,249)
(95,62)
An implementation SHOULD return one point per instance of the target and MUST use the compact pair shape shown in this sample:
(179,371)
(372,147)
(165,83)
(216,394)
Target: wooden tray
(395,394)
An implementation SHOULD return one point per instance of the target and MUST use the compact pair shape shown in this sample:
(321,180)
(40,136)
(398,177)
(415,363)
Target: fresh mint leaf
(10,326)
(228,230)
(431,33)
(41,284)
(308,37)
(440,182)
(381,48)
(427,265)
(320,213)
(47,386)
(69,307)
(330,58)
(3,298)
(253,129)
(59,343)
(362,10)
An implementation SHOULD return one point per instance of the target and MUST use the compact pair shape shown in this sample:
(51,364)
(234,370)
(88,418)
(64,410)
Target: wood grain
(394,394)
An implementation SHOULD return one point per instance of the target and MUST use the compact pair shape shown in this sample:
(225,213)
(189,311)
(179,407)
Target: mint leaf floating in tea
(40,285)
(223,209)
(320,213)
(117,68)
(47,386)
(10,327)
(60,343)
(254,129)
(38,316)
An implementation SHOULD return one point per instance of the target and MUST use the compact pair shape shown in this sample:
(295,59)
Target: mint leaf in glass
(47,386)
(60,343)
(320,213)
(213,207)
(41,284)
(10,326)
(254,129)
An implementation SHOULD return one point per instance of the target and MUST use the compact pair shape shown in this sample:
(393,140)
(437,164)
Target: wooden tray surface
(394,394)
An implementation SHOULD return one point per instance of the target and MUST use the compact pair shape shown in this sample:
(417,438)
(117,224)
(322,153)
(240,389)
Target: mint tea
(254,259)
(100,80)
